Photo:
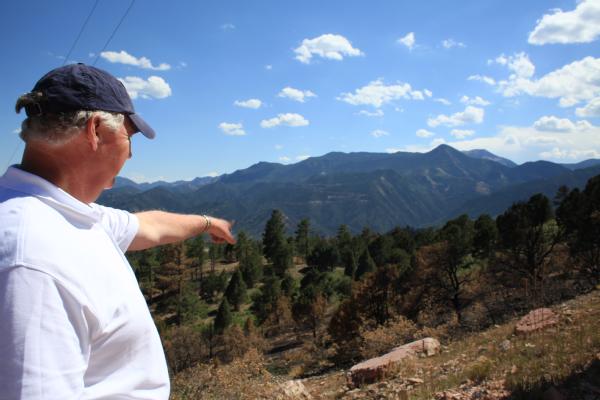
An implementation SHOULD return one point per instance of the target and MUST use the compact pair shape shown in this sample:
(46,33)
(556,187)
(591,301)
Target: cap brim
(142,126)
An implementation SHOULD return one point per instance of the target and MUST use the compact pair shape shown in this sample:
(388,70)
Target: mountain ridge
(377,190)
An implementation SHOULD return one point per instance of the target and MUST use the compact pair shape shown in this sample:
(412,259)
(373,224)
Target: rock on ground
(375,369)
(536,320)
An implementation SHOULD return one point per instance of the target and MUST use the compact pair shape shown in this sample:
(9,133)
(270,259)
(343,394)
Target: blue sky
(227,84)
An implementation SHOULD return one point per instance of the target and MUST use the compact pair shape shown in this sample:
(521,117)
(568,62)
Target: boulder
(536,320)
(295,390)
(375,369)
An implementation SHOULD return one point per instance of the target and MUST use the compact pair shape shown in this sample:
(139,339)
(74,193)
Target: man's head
(78,129)
(65,98)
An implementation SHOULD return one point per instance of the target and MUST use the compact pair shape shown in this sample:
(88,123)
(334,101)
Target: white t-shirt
(73,322)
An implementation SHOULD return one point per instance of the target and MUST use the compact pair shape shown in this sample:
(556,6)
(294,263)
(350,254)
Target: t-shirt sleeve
(44,338)
(122,225)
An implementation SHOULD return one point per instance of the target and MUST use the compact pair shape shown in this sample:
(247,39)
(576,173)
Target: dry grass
(530,363)
(243,379)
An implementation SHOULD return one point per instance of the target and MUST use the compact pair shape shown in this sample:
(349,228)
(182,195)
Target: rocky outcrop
(375,369)
(536,320)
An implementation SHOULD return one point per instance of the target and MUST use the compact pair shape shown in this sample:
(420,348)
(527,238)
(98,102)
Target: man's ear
(92,133)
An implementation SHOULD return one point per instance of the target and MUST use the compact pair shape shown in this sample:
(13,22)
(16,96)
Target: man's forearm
(160,227)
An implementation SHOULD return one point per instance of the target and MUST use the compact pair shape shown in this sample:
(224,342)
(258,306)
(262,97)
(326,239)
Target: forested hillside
(310,304)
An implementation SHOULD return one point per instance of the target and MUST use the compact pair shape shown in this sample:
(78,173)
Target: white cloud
(232,129)
(212,174)
(592,109)
(288,119)
(526,143)
(285,159)
(450,43)
(296,94)
(393,150)
(302,157)
(443,101)
(571,84)
(482,78)
(278,147)
(563,155)
(462,133)
(428,92)
(581,25)
(376,113)
(17,131)
(250,103)
(228,27)
(471,115)
(268,67)
(376,94)
(475,101)
(333,47)
(377,133)
(408,40)
(519,63)
(123,57)
(555,124)
(424,133)
(417,95)
(154,87)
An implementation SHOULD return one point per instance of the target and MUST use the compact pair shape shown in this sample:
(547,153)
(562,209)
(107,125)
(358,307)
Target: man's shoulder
(16,207)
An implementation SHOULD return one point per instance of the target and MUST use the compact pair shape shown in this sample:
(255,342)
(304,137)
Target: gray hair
(59,128)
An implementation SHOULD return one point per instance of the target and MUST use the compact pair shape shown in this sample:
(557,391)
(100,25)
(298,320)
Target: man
(73,322)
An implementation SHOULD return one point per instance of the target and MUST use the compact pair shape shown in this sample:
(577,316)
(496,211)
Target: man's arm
(159,227)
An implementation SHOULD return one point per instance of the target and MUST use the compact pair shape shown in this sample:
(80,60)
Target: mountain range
(377,190)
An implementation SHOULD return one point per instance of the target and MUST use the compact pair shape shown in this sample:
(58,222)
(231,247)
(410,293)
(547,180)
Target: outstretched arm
(159,227)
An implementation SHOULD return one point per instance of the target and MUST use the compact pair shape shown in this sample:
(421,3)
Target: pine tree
(264,302)
(324,256)
(223,318)
(485,236)
(243,246)
(274,235)
(251,266)
(523,235)
(579,217)
(365,264)
(189,305)
(236,290)
(302,239)
(195,251)
(350,264)
(282,258)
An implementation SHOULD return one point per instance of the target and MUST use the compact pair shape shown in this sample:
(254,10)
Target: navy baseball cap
(83,87)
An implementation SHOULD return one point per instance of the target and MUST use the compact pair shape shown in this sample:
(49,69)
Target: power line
(13,155)
(80,32)
(114,31)
(75,43)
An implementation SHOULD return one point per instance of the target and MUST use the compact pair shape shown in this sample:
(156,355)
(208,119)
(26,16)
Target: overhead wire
(75,43)
(80,32)
(12,155)
(114,31)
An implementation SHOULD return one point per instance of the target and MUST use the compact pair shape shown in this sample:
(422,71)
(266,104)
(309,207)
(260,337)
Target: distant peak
(444,148)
